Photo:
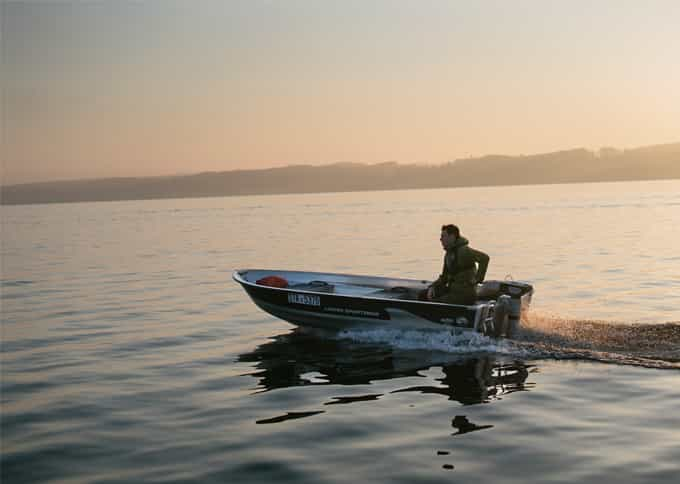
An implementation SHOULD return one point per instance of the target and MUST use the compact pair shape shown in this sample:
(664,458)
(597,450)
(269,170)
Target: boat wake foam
(650,345)
(444,341)
(545,336)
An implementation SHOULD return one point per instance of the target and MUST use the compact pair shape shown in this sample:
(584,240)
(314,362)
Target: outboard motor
(501,317)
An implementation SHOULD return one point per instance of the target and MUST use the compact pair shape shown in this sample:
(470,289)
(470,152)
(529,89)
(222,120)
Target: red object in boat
(272,281)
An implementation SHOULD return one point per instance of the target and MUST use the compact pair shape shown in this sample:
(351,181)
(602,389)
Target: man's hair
(451,229)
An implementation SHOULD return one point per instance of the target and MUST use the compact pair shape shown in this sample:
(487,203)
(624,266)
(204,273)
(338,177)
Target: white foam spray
(444,340)
(545,336)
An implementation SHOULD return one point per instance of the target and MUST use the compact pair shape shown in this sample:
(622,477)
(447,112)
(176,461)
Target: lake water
(129,354)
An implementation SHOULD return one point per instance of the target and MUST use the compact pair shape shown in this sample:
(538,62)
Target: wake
(649,345)
(543,336)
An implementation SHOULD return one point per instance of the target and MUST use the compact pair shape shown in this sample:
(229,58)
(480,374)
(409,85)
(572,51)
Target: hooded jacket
(464,267)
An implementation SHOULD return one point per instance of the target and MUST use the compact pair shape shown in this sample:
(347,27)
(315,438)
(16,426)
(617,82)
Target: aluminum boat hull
(344,301)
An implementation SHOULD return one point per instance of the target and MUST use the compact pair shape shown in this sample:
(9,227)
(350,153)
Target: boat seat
(316,286)
(396,293)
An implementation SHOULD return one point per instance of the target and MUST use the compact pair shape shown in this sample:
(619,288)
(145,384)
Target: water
(129,355)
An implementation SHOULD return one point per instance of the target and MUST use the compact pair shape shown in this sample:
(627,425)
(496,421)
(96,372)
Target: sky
(137,88)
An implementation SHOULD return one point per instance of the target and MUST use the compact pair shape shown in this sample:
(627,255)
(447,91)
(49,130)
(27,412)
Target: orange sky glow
(167,87)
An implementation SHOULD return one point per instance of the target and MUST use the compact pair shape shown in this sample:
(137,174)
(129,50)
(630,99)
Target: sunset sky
(130,88)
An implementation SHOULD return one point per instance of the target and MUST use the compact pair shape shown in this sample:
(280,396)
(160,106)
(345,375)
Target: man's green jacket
(464,267)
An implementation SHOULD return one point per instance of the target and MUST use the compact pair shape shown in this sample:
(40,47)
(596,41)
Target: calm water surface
(129,355)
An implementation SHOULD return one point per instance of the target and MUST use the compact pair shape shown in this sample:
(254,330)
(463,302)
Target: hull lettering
(305,299)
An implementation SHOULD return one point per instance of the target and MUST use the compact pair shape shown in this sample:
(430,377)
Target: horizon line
(333,163)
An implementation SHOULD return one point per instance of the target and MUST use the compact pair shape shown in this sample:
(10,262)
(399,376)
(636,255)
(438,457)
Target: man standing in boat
(464,268)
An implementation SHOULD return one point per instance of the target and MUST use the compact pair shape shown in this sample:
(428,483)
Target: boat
(346,301)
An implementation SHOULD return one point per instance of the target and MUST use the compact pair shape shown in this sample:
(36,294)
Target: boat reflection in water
(302,358)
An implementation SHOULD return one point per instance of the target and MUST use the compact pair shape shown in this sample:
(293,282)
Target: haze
(117,88)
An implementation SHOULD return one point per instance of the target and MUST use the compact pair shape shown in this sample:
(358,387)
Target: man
(464,268)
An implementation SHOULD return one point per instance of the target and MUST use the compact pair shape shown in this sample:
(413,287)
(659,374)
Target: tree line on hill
(569,166)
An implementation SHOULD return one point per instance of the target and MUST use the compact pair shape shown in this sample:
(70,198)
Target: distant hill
(570,166)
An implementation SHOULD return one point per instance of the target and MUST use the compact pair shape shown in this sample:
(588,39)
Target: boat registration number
(306,299)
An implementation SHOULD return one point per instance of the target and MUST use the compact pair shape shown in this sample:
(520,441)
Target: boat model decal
(355,312)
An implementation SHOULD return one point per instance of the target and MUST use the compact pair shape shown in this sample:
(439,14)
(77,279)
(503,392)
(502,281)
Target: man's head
(450,234)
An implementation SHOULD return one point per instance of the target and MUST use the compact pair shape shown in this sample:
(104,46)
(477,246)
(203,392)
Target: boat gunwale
(236,275)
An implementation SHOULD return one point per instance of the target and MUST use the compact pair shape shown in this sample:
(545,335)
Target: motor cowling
(501,317)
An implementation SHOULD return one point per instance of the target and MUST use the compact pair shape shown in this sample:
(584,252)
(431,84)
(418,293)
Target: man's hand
(430,293)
